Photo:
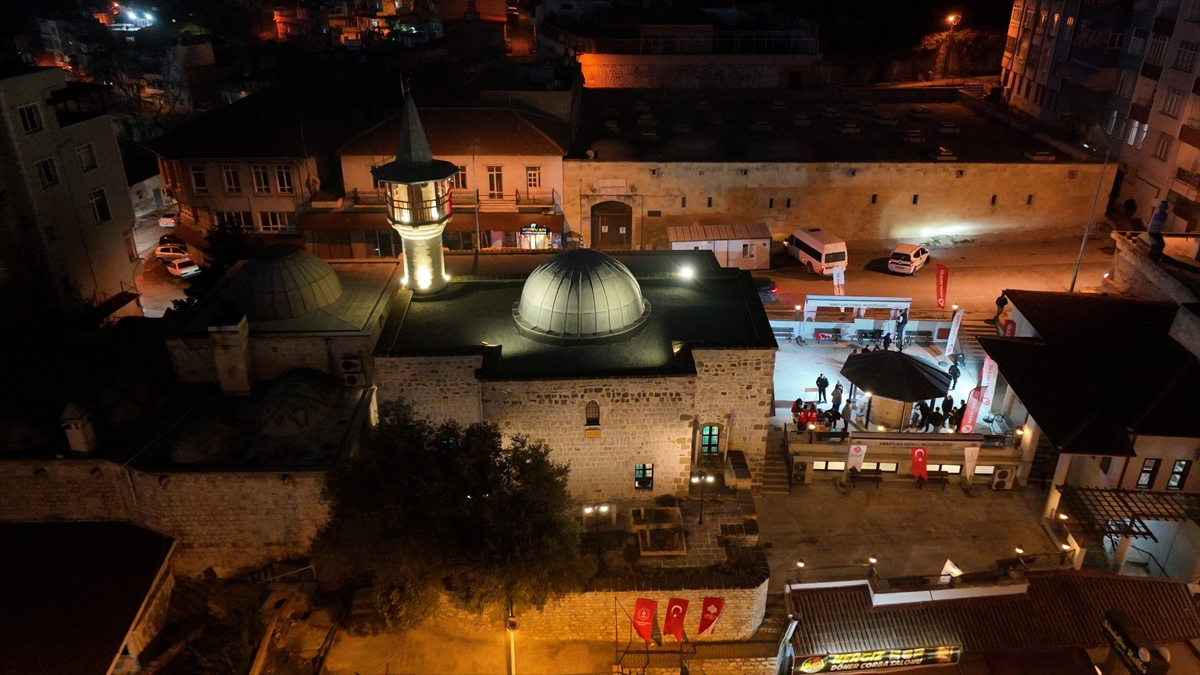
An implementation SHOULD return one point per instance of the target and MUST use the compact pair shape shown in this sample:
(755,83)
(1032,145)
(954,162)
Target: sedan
(907,259)
(168,219)
(171,240)
(767,289)
(170,252)
(183,268)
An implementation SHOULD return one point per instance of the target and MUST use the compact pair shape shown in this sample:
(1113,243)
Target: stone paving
(702,540)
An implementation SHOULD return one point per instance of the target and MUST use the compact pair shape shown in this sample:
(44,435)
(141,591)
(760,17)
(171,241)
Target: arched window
(710,440)
(592,414)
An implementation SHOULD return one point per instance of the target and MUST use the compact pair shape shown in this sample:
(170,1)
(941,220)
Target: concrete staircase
(971,347)
(973,88)
(775,474)
(775,619)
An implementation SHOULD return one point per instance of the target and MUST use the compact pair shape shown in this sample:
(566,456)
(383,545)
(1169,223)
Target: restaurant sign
(1130,644)
(877,660)
(534,228)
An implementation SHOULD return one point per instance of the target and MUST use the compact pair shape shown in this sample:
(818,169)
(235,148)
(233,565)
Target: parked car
(169,219)
(169,252)
(907,259)
(171,240)
(183,268)
(819,250)
(767,289)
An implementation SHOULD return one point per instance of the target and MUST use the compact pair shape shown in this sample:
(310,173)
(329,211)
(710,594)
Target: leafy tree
(224,245)
(425,509)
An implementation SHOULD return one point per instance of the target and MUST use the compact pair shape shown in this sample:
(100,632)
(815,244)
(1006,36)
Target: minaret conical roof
(414,161)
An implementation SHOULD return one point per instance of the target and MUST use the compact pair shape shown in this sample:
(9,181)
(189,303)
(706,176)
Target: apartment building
(65,220)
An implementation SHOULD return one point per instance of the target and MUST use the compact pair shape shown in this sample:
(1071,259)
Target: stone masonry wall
(438,387)
(735,388)
(643,420)
(730,666)
(227,521)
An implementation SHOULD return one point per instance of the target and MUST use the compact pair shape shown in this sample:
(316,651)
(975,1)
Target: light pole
(511,624)
(703,479)
(953,20)
(594,511)
(1092,213)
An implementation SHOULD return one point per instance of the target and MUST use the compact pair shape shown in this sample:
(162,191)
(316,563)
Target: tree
(425,509)
(225,244)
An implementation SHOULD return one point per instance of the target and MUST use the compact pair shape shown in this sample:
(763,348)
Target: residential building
(64,213)
(145,183)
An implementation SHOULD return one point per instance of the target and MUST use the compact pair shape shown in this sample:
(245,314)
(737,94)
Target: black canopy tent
(896,376)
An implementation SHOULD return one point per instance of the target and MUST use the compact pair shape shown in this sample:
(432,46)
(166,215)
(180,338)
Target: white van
(819,249)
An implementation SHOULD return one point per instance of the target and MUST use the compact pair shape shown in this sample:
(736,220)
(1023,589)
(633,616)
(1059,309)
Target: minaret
(418,203)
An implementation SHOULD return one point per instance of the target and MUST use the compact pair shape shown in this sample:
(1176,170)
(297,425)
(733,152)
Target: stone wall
(438,387)
(736,388)
(227,521)
(643,420)
(837,196)
(270,357)
(655,71)
(730,666)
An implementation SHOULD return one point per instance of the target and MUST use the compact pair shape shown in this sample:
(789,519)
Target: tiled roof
(451,132)
(1061,609)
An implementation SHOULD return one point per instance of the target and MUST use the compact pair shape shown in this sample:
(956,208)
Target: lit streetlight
(703,478)
(595,511)
(953,20)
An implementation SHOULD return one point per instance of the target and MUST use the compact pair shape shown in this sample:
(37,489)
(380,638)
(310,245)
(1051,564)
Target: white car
(183,268)
(907,259)
(168,219)
(163,254)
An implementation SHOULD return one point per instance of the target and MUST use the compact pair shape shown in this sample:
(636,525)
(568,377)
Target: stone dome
(284,282)
(581,295)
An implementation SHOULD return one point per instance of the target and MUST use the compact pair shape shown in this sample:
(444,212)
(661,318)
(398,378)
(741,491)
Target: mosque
(638,368)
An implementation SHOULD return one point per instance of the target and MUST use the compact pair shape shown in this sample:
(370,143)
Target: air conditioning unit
(352,364)
(355,379)
(1004,478)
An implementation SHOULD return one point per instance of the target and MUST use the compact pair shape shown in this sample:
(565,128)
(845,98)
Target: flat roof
(758,126)
(459,131)
(716,308)
(69,593)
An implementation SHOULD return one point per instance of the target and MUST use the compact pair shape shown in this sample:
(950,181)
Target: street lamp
(594,511)
(812,427)
(703,479)
(953,20)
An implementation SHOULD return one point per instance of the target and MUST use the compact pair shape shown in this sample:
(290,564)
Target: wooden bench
(832,436)
(921,337)
(788,334)
(866,335)
(831,334)
(866,475)
(935,477)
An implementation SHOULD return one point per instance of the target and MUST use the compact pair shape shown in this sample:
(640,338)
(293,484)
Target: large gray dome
(284,282)
(581,294)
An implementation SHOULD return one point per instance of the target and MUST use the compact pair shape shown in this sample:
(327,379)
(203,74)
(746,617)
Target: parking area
(157,286)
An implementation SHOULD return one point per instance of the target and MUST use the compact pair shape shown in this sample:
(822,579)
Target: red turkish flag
(643,618)
(918,463)
(673,624)
(712,610)
(943,278)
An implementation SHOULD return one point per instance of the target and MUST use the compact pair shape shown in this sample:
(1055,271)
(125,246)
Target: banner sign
(1129,643)
(839,281)
(855,459)
(919,455)
(974,401)
(970,459)
(1010,328)
(643,618)
(955,326)
(878,660)
(712,611)
(673,624)
(943,277)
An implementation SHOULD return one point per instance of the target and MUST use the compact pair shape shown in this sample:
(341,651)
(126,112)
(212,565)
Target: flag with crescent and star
(712,610)
(673,624)
(643,618)
(918,463)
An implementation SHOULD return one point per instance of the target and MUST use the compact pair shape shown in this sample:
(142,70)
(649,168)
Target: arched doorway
(612,226)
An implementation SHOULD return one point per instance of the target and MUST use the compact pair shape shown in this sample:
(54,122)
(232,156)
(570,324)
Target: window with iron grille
(591,414)
(643,476)
(710,440)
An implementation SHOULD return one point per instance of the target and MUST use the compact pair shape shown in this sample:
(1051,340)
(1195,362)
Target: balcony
(465,199)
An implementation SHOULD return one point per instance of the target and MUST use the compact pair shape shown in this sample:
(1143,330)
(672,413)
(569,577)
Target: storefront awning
(506,222)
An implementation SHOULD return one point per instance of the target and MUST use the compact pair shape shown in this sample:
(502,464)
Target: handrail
(1161,568)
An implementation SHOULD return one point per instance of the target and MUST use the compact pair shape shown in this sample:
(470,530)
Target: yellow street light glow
(424,277)
(800,564)
(873,560)
(709,479)
(811,426)
(1020,550)
(867,394)
(799,307)
(588,509)
(604,508)
(954,307)
(1066,547)
(687,272)
(881,428)
(1062,516)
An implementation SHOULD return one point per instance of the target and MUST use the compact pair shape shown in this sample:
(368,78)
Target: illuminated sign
(877,660)
(534,228)
(1129,643)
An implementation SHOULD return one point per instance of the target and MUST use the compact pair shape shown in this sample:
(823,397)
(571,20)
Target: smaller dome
(284,282)
(581,294)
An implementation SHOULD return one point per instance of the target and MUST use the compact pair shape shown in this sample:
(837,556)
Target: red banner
(1010,328)
(712,610)
(643,618)
(673,624)
(974,399)
(919,455)
(943,277)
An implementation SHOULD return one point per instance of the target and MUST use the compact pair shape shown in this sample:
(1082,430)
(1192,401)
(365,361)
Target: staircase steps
(775,618)
(970,347)
(775,474)
(974,89)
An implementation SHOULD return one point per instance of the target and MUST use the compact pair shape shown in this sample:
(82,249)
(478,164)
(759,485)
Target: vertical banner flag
(643,618)
(1010,328)
(955,326)
(943,276)
(918,463)
(973,402)
(839,281)
(712,610)
(855,460)
(970,459)
(987,381)
(673,624)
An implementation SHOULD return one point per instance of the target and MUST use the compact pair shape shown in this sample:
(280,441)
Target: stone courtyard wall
(735,388)
(438,387)
(227,521)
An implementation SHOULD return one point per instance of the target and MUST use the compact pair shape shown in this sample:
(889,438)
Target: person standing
(835,399)
(956,416)
(887,341)
(901,324)
(936,420)
(822,384)
(797,411)
(947,404)
(1001,303)
(924,409)
(954,373)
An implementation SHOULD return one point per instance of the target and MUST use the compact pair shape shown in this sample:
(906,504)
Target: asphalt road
(157,286)
(978,272)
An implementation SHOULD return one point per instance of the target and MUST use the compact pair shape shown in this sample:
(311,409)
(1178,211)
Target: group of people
(934,417)
(804,414)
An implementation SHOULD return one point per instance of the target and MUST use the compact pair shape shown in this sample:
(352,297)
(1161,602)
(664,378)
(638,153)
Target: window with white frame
(276,221)
(283,177)
(47,172)
(233,180)
(1193,118)
(244,220)
(1111,123)
(460,178)
(1142,136)
(1042,20)
(533,176)
(262,179)
(1029,18)
(1137,41)
(1116,41)
(87,157)
(1163,145)
(99,203)
(199,180)
(1173,102)
(31,118)
(1185,56)
(1158,49)
(1126,83)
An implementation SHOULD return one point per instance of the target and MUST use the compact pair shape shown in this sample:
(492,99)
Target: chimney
(78,424)
(230,338)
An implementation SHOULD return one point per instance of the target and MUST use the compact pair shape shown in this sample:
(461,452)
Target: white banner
(954,326)
(987,379)
(970,459)
(855,459)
